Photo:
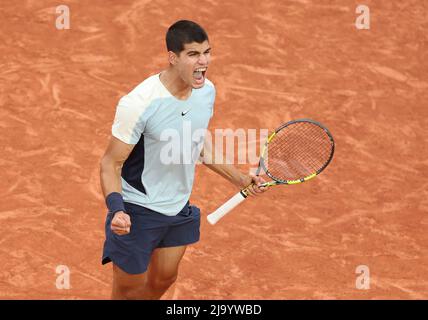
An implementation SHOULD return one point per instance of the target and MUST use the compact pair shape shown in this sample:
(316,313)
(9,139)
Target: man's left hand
(256,184)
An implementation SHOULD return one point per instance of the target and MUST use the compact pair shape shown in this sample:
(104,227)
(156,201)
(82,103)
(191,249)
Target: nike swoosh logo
(184,112)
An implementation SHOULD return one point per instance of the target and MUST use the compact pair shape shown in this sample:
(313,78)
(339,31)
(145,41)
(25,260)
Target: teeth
(201,69)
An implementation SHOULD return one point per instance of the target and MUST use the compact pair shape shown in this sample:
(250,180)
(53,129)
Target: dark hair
(182,32)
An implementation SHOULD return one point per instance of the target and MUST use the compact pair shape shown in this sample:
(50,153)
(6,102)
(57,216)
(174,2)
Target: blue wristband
(115,203)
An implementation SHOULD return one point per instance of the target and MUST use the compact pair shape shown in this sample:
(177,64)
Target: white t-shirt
(168,135)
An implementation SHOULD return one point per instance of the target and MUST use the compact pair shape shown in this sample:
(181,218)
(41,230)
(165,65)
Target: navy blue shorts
(149,230)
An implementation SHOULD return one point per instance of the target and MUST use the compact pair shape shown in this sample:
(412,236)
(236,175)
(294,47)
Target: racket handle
(214,217)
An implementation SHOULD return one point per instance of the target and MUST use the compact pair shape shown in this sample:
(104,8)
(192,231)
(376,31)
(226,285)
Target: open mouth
(199,75)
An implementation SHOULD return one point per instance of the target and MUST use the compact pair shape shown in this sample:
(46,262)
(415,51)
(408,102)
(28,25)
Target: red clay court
(273,61)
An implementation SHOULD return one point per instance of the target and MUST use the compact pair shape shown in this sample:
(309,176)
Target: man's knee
(162,283)
(128,292)
(127,286)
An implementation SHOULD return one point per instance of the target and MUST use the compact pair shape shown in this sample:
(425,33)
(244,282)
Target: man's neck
(175,85)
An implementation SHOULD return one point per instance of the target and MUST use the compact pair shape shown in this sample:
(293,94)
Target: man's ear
(172,58)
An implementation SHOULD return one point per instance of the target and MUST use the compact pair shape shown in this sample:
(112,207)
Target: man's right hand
(121,223)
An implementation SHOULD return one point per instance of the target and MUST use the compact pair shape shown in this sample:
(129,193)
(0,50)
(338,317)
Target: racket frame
(275,181)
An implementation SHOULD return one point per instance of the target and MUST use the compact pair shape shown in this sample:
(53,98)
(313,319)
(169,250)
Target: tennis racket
(296,152)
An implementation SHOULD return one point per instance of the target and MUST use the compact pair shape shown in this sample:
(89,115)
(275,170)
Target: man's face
(192,63)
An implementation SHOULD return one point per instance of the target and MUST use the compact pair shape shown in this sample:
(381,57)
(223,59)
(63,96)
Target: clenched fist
(121,223)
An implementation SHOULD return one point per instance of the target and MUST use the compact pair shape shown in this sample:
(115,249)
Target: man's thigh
(164,263)
(126,280)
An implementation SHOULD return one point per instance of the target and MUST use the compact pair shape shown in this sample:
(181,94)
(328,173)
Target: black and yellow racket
(297,151)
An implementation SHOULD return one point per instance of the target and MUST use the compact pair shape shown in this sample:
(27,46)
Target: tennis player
(150,221)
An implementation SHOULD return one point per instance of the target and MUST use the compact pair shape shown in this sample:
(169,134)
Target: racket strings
(297,151)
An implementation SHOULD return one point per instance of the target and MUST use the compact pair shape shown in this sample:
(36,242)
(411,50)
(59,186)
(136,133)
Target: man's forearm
(110,177)
(231,173)
(227,171)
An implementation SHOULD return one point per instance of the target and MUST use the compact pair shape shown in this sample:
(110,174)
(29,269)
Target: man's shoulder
(143,94)
(149,86)
(140,99)
(209,84)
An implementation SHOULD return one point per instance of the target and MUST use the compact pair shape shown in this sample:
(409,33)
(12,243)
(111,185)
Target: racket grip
(214,217)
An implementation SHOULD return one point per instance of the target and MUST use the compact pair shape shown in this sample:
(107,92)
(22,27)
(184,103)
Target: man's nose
(203,60)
